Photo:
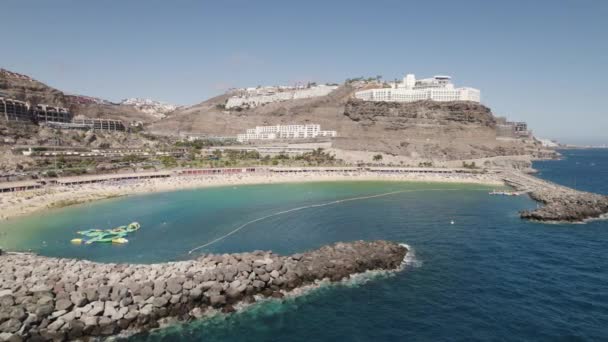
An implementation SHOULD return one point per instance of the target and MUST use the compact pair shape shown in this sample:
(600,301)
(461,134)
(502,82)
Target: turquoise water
(489,276)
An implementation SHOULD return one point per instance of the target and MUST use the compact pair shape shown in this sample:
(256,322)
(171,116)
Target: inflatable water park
(114,235)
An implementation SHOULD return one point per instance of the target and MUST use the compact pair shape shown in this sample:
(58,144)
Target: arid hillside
(418,130)
(425,129)
(211,117)
(25,88)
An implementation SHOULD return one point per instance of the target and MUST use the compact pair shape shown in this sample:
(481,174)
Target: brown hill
(25,88)
(210,116)
(422,130)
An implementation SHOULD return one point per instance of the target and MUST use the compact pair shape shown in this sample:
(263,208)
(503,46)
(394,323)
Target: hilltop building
(309,131)
(253,97)
(437,88)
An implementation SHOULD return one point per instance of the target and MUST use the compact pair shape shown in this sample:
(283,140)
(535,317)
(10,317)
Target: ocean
(487,276)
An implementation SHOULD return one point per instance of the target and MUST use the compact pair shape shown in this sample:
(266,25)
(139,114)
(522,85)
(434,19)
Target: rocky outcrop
(560,203)
(25,88)
(574,206)
(64,299)
(419,112)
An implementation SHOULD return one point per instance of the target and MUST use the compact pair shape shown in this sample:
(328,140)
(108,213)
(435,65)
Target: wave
(410,258)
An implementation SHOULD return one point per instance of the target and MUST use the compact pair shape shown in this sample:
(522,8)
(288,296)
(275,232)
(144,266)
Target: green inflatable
(114,235)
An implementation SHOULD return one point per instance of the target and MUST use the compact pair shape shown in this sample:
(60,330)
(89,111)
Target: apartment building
(437,88)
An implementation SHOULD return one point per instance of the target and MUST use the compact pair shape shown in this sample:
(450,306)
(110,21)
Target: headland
(560,203)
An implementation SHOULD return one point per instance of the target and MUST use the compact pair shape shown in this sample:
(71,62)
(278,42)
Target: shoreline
(17,204)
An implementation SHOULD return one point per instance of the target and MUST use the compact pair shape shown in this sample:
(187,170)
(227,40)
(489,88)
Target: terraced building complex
(14,110)
(259,96)
(90,124)
(437,88)
(45,113)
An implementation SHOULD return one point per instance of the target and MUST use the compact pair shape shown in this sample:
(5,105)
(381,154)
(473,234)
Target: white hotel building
(254,97)
(437,88)
(285,132)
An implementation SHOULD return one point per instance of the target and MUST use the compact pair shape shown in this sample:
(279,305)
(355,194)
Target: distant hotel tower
(438,88)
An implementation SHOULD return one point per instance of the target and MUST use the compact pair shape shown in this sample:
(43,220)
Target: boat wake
(603,217)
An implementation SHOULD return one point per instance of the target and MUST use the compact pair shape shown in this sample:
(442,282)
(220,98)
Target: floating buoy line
(313,206)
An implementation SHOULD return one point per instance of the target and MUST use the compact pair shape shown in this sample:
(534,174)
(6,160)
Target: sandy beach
(15,204)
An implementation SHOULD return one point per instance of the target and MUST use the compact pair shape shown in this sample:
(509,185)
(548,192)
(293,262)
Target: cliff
(401,115)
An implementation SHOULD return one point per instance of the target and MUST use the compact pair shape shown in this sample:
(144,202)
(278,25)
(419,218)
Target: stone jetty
(560,203)
(44,298)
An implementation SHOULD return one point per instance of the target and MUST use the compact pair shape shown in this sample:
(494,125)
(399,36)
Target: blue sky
(539,61)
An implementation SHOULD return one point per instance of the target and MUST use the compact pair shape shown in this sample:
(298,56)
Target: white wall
(256,100)
(410,95)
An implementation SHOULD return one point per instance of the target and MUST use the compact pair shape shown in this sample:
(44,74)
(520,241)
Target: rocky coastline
(576,206)
(44,298)
(559,203)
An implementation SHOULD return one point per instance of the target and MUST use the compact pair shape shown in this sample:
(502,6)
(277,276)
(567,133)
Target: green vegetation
(245,158)
(168,161)
(317,157)
(51,174)
(234,155)
(364,79)
(200,143)
(469,166)
(377,157)
(132,158)
(425,164)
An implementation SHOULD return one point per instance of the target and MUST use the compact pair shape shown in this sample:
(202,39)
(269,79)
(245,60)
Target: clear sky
(544,62)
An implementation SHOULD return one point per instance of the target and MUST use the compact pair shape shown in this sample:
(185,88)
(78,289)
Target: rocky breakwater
(560,203)
(45,298)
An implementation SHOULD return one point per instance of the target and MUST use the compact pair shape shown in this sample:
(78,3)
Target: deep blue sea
(490,276)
